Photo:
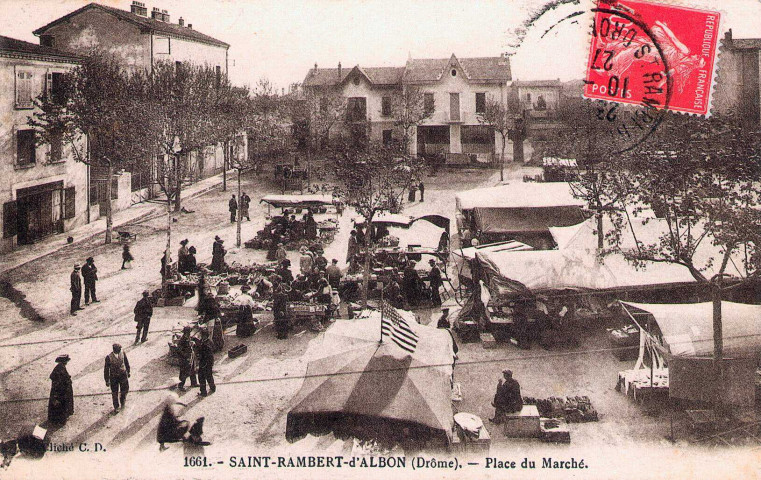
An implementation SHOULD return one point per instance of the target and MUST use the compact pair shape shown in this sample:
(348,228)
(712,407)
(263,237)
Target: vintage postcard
(380,239)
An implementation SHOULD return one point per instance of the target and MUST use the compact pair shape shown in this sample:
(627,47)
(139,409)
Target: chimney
(165,16)
(138,8)
(181,22)
(156,14)
(190,26)
(339,72)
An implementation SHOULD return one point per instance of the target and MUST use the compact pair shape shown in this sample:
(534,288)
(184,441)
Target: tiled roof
(143,22)
(537,83)
(746,43)
(12,45)
(488,69)
(477,68)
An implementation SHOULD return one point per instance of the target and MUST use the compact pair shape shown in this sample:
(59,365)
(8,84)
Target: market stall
(518,211)
(303,220)
(677,346)
(356,386)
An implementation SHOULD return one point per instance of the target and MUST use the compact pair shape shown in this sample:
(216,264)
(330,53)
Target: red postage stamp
(651,54)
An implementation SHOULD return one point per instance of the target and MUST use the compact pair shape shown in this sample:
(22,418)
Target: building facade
(455,90)
(43,189)
(140,39)
(738,89)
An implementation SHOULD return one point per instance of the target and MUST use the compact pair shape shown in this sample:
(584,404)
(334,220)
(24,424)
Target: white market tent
(469,253)
(576,265)
(687,329)
(519,195)
(283,201)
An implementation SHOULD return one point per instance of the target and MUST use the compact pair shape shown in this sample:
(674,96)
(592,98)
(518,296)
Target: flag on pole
(397,329)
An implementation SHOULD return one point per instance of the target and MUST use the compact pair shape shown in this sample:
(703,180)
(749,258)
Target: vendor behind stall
(508,397)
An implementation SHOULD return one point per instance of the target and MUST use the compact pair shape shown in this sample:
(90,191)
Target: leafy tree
(95,102)
(326,109)
(373,181)
(409,110)
(498,116)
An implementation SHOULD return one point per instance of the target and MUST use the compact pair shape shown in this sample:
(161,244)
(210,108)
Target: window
(480,103)
(356,80)
(55,87)
(477,134)
(162,46)
(386,106)
(218,72)
(454,72)
(69,207)
(24,89)
(428,102)
(541,103)
(47,40)
(356,109)
(454,106)
(25,148)
(528,97)
(387,138)
(56,146)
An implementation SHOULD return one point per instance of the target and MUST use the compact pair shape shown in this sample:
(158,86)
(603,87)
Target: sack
(128,264)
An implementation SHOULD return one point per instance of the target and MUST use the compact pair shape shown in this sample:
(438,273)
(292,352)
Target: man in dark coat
(233,207)
(116,373)
(334,274)
(76,290)
(310,226)
(61,403)
(434,277)
(410,283)
(279,309)
(353,247)
(143,313)
(508,397)
(187,359)
(245,203)
(421,187)
(90,276)
(205,354)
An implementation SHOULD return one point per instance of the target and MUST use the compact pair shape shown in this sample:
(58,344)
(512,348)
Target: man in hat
(233,207)
(205,354)
(90,276)
(444,320)
(245,202)
(143,313)
(334,274)
(76,290)
(434,279)
(187,359)
(280,254)
(61,403)
(116,373)
(508,397)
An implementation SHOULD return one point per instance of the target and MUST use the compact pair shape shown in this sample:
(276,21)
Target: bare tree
(498,116)
(373,181)
(95,102)
(409,110)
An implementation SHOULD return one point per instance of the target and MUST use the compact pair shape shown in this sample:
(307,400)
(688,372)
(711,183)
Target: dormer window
(356,80)
(454,72)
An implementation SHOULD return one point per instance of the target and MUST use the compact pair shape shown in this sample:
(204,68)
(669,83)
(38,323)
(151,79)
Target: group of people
(414,188)
(196,361)
(286,228)
(89,276)
(233,205)
(186,258)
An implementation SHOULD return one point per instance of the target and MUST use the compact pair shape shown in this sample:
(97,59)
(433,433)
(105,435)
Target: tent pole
(381,312)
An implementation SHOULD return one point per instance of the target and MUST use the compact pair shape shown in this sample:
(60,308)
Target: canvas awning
(355,382)
(469,253)
(687,328)
(526,220)
(519,195)
(291,201)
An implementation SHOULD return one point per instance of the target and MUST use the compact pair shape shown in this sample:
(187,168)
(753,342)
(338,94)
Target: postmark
(655,55)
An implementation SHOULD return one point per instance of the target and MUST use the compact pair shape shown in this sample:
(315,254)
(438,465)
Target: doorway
(40,212)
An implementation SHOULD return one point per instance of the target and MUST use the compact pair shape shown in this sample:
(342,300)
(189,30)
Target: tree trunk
(109,210)
(168,250)
(598,217)
(502,163)
(240,214)
(366,269)
(718,343)
(224,166)
(178,193)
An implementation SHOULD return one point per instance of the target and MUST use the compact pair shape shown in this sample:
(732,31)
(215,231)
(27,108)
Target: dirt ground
(247,414)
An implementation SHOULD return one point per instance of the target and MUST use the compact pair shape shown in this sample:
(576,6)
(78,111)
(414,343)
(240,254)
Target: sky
(281,40)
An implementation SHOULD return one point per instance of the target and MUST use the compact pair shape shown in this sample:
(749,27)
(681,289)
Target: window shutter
(48,84)
(10,219)
(69,209)
(23,89)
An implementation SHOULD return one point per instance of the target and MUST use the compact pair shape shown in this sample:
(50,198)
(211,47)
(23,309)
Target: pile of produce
(572,409)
